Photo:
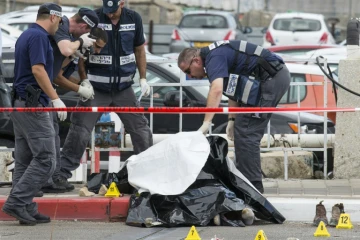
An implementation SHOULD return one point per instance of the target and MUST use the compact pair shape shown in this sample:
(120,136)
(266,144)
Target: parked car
(9,30)
(297,49)
(22,19)
(193,96)
(297,28)
(7,41)
(200,28)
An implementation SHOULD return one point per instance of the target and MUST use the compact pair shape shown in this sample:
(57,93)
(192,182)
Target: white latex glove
(87,41)
(86,83)
(86,92)
(205,127)
(145,88)
(78,54)
(57,103)
(230,130)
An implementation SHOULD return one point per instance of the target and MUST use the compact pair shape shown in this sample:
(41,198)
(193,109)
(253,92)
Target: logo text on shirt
(106,27)
(127,59)
(127,27)
(100,59)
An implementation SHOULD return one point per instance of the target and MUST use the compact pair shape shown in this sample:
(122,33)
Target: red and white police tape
(176,110)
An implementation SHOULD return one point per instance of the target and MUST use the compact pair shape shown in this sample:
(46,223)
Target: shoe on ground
(247,216)
(103,190)
(40,218)
(259,186)
(336,210)
(54,188)
(20,214)
(217,221)
(84,192)
(63,182)
(320,214)
(39,194)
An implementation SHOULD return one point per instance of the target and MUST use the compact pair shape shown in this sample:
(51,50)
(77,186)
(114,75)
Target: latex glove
(57,103)
(86,83)
(87,41)
(78,54)
(230,130)
(145,88)
(205,127)
(86,92)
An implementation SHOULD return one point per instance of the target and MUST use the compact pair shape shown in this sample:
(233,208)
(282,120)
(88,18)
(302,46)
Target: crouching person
(34,131)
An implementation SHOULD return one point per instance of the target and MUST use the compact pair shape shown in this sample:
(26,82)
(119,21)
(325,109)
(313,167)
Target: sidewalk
(295,199)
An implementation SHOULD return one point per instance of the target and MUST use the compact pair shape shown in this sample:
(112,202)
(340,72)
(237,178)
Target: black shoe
(39,194)
(40,218)
(54,188)
(63,182)
(259,186)
(20,214)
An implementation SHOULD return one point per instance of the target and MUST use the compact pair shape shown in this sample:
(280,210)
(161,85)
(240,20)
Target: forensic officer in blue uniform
(34,131)
(72,36)
(111,74)
(248,75)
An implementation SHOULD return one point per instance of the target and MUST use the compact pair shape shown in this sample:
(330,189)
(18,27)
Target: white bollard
(114,160)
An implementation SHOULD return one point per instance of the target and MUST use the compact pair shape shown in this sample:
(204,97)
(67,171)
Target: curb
(101,209)
(77,208)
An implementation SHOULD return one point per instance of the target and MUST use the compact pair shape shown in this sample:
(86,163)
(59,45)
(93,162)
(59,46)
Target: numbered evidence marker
(344,221)
(260,236)
(193,234)
(321,231)
(113,191)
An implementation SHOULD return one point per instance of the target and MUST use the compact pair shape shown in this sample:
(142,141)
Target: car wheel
(4,142)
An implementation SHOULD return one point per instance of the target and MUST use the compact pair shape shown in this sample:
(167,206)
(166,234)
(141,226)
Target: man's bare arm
(43,80)
(82,69)
(67,47)
(140,56)
(214,97)
(65,83)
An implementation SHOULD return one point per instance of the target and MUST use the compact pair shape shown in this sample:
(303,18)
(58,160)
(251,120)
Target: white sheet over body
(171,166)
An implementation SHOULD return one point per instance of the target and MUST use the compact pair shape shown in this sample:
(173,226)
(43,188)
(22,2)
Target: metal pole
(238,7)
(350,8)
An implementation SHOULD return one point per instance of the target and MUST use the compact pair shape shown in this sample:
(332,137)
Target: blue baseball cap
(89,16)
(50,8)
(111,6)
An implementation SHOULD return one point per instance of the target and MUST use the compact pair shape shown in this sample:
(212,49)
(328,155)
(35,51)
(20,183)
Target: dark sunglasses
(188,71)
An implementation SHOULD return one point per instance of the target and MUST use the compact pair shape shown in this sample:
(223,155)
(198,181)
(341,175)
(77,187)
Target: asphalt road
(112,231)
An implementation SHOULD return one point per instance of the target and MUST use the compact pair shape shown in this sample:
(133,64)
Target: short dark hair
(99,33)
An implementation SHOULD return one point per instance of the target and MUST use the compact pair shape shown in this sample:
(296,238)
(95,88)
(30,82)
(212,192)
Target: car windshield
(203,21)
(297,24)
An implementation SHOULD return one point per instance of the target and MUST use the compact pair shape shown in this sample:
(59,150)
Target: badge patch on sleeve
(127,27)
(232,83)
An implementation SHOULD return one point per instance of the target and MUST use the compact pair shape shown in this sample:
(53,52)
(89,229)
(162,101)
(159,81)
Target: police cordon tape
(176,110)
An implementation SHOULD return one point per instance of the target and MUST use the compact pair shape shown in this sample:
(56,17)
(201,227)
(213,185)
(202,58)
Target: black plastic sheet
(217,190)
(97,179)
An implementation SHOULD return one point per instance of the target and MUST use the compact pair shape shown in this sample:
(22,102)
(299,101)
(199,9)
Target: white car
(297,28)
(10,30)
(22,19)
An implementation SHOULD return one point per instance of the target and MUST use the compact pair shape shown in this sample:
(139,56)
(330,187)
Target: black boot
(39,194)
(40,218)
(54,188)
(63,182)
(20,214)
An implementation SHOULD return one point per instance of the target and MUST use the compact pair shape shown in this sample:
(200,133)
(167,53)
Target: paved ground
(112,231)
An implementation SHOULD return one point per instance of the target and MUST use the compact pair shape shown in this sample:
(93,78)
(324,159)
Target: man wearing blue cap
(34,131)
(72,36)
(111,74)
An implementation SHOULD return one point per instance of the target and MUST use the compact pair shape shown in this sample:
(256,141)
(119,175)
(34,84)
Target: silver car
(200,28)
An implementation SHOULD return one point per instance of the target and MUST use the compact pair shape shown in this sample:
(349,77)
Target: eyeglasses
(188,70)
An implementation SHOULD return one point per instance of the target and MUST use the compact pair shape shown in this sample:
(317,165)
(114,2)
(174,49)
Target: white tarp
(170,166)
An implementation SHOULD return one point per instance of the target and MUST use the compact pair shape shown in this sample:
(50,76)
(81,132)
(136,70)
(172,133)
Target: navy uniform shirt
(32,47)
(61,34)
(220,60)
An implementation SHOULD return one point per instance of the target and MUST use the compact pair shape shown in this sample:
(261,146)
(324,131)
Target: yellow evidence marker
(113,191)
(344,221)
(193,234)
(260,236)
(321,231)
